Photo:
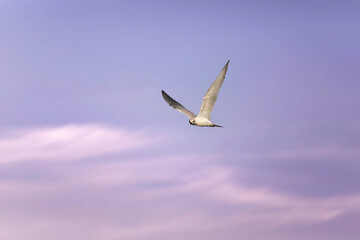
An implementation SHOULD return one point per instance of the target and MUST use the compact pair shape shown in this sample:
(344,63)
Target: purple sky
(90,150)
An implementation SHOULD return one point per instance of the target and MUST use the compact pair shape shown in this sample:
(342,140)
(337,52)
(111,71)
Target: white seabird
(203,118)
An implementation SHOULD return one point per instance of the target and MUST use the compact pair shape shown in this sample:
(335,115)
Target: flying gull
(203,118)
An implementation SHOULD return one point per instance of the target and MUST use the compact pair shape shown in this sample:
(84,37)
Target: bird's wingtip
(226,65)
(164,93)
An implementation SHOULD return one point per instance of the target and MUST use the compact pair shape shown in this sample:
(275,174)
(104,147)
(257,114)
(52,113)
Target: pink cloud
(69,142)
(150,197)
(219,185)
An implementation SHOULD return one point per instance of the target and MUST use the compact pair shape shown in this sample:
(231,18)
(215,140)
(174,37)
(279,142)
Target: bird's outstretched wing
(211,94)
(177,106)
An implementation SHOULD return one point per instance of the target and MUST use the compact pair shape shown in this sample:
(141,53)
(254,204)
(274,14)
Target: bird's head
(192,121)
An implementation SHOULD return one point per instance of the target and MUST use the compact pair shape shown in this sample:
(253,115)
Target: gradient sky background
(90,150)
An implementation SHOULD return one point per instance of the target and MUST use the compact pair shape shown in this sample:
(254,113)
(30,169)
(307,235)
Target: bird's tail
(214,125)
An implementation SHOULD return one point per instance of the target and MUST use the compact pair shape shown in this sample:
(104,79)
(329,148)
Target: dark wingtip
(227,63)
(165,96)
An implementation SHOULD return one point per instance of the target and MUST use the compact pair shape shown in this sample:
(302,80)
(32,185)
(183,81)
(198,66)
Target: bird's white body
(203,118)
(202,122)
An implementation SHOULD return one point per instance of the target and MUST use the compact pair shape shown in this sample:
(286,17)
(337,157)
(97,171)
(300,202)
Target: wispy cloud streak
(140,197)
(69,142)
